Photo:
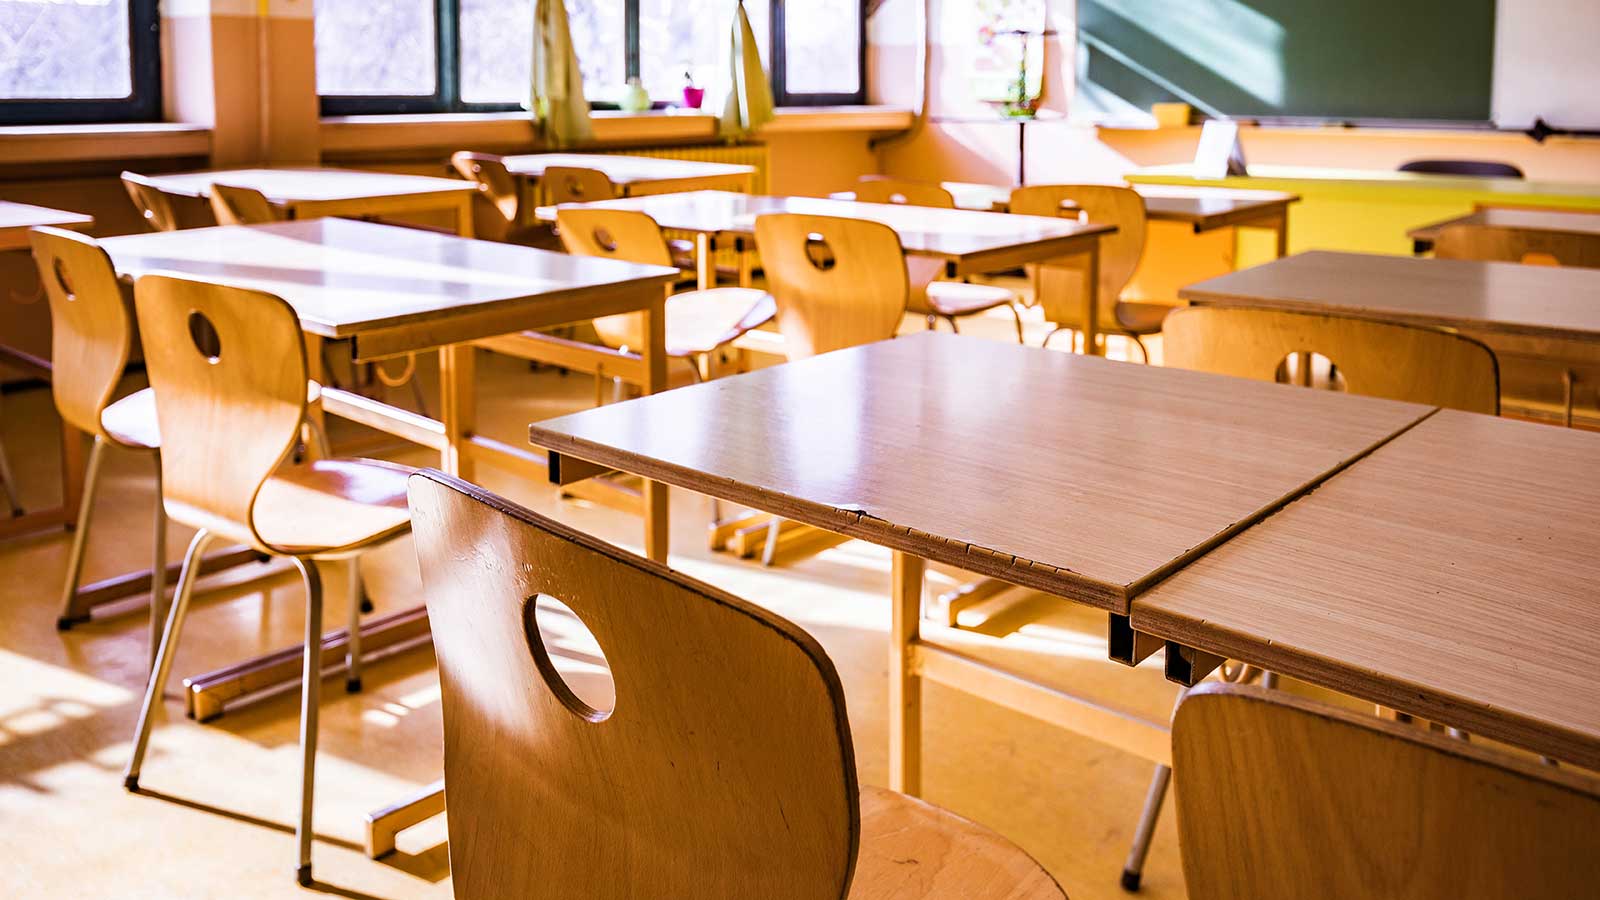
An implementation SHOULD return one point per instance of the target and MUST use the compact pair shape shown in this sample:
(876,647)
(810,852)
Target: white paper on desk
(1219,153)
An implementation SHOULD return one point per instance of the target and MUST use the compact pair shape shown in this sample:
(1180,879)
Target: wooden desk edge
(1018,571)
(1490,326)
(1556,742)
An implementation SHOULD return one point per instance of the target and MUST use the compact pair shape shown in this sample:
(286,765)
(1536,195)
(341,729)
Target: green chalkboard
(1342,60)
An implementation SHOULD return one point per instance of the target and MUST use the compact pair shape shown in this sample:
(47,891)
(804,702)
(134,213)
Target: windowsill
(122,140)
(395,134)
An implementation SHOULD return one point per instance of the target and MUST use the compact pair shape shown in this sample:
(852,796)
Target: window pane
(496,50)
(822,47)
(599,36)
(382,48)
(58,51)
(678,36)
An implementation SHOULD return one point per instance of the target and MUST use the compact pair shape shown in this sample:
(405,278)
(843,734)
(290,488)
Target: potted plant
(693,95)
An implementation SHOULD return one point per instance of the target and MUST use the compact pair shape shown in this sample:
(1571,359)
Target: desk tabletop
(17,218)
(347,278)
(284,186)
(625,170)
(1074,475)
(1451,574)
(951,234)
(1507,188)
(1544,301)
(1525,219)
(1203,207)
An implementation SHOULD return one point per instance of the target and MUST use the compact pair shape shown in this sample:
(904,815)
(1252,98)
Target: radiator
(734,154)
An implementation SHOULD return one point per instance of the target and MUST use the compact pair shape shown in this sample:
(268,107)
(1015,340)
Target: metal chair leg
(158,572)
(352,657)
(9,484)
(1015,314)
(1144,352)
(1160,780)
(1055,331)
(157,686)
(954,329)
(80,539)
(310,697)
(770,551)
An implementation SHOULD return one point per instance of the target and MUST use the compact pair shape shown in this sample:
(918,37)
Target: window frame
(446,97)
(143,103)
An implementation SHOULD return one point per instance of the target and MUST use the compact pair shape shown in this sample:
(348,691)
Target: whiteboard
(1547,63)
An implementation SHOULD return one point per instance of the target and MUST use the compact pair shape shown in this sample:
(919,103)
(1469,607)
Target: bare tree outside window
(821,57)
(598,34)
(496,50)
(383,48)
(65,51)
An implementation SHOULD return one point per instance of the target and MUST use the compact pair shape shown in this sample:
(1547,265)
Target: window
(84,61)
(391,56)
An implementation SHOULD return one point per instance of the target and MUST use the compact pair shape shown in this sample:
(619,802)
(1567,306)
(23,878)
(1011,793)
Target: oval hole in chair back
(569,657)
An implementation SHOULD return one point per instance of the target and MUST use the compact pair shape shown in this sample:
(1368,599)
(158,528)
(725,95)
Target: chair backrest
(227,420)
(152,203)
(573,184)
(1376,359)
(502,200)
(724,769)
(1280,796)
(621,234)
(241,206)
(1519,245)
(837,282)
(909,193)
(1120,252)
(90,329)
(1475,167)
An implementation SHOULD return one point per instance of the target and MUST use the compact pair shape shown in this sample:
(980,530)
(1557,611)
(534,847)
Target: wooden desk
(1112,476)
(969,243)
(639,175)
(1543,322)
(1556,221)
(1204,209)
(316,193)
(392,290)
(1450,574)
(17,218)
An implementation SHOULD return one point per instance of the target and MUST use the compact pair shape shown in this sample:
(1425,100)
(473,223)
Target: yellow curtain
(556,94)
(749,103)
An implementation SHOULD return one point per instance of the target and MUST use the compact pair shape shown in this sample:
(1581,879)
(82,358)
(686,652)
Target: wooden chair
(91,335)
(838,282)
(497,216)
(1057,286)
(154,206)
(1518,245)
(575,184)
(1280,796)
(229,416)
(723,768)
(698,322)
(1377,359)
(930,297)
(241,206)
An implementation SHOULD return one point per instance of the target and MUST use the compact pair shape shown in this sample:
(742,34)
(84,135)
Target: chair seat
(1142,318)
(682,253)
(957,298)
(132,423)
(331,506)
(701,321)
(911,849)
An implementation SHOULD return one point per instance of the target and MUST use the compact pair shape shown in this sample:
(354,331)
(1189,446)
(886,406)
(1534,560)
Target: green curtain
(556,94)
(749,103)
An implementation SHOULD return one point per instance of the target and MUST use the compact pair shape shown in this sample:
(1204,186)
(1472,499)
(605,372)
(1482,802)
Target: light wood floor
(216,818)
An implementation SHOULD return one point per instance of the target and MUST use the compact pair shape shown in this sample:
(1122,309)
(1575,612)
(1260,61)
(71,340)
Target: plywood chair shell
(241,206)
(498,208)
(1281,796)
(1492,243)
(724,770)
(621,234)
(154,206)
(910,193)
(576,184)
(227,422)
(849,289)
(91,330)
(1377,359)
(1120,252)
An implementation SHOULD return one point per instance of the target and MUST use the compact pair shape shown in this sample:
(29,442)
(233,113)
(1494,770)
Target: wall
(952,147)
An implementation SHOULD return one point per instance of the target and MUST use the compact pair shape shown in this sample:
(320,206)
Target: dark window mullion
(777,40)
(447,31)
(630,39)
